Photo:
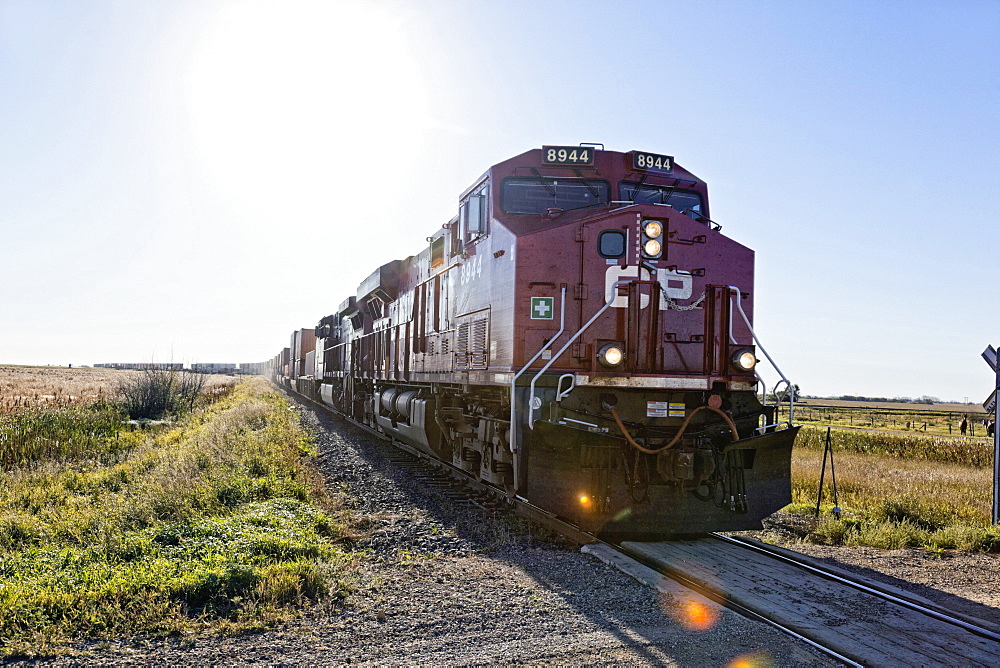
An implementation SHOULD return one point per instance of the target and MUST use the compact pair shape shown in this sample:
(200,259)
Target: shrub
(158,393)
(900,510)
(831,531)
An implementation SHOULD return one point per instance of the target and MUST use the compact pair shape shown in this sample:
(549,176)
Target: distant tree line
(899,400)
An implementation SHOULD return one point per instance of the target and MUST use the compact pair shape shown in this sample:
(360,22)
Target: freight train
(578,337)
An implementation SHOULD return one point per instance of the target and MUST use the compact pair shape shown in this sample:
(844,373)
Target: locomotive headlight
(744,360)
(652,229)
(610,355)
(652,239)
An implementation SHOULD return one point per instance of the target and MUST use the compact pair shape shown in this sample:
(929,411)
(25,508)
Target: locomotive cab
(639,383)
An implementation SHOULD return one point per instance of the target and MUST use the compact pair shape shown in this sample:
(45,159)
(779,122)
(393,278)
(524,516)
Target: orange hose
(628,437)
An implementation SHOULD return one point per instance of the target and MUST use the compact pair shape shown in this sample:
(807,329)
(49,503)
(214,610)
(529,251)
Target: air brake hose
(673,442)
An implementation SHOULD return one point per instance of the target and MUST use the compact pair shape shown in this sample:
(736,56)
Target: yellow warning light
(585,500)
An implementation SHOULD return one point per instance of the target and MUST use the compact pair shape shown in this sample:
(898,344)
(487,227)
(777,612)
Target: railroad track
(851,620)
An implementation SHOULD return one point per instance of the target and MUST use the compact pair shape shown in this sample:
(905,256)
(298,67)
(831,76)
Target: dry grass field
(28,387)
(937,419)
(898,490)
(971,409)
(23,387)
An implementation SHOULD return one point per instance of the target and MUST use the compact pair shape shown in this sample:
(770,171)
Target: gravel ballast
(451,583)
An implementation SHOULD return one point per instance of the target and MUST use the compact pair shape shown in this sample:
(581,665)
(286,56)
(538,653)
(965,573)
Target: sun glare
(280,96)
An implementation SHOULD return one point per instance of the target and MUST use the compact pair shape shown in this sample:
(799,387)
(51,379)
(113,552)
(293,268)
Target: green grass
(903,446)
(216,524)
(63,434)
(925,420)
(898,491)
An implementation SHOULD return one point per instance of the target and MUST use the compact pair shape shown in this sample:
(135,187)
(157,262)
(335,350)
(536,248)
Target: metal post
(990,355)
(822,471)
(996,452)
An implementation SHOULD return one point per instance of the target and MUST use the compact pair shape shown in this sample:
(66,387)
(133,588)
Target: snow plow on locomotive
(579,336)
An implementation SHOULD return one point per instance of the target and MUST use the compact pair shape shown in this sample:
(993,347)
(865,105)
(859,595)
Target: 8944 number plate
(567,155)
(652,162)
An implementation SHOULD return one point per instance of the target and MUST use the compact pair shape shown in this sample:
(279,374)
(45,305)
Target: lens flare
(758,660)
(699,616)
(694,612)
(622,514)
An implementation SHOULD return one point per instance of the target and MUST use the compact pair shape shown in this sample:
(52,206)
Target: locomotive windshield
(536,195)
(682,200)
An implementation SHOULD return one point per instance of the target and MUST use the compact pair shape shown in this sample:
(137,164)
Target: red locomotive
(578,336)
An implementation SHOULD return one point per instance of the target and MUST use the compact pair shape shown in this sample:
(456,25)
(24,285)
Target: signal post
(993,406)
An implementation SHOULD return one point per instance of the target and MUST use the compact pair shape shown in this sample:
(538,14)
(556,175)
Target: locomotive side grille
(478,342)
(472,344)
(462,346)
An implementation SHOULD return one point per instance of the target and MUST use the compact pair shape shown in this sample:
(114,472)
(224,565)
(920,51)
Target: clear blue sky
(193,180)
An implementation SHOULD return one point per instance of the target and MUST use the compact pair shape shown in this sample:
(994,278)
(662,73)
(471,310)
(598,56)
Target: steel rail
(873,591)
(681,578)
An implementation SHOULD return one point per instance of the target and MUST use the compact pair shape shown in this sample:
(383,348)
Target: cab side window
(437,252)
(473,213)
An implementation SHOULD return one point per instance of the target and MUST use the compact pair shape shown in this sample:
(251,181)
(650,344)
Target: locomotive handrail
(791,389)
(561,393)
(531,396)
(774,426)
(512,437)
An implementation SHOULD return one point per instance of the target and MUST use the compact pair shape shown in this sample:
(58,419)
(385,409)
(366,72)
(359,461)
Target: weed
(62,434)
(831,531)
